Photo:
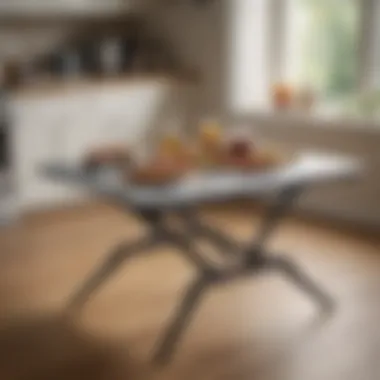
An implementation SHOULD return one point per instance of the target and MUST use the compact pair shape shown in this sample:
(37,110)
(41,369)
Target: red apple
(240,149)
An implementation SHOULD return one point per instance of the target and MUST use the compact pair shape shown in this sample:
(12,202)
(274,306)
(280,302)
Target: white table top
(308,169)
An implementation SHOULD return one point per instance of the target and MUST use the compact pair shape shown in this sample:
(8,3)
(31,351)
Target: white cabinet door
(128,114)
(65,126)
(84,127)
(39,137)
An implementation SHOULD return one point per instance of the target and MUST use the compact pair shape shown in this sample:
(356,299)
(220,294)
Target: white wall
(63,124)
(202,37)
(357,200)
(247,44)
(199,36)
(196,35)
(71,8)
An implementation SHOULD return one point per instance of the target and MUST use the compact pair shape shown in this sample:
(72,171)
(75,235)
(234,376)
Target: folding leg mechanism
(253,259)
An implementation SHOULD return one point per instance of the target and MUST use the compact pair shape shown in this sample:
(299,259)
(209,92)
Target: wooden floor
(259,328)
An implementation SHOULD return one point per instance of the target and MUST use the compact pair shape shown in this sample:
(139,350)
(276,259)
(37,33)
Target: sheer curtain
(249,65)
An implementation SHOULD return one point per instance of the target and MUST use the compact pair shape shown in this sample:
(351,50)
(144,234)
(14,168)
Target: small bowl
(157,173)
(114,156)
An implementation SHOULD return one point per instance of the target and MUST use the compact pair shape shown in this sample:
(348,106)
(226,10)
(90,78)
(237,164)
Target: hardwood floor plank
(256,328)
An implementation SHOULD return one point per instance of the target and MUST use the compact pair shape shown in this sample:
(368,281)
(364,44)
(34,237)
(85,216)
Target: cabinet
(37,138)
(62,126)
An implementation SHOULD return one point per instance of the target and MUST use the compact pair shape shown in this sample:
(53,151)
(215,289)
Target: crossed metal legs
(182,319)
(304,282)
(196,291)
(254,258)
(114,260)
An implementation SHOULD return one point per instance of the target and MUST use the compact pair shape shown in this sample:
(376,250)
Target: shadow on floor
(54,347)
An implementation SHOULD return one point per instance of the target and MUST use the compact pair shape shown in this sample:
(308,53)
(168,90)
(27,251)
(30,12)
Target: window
(322,45)
(330,46)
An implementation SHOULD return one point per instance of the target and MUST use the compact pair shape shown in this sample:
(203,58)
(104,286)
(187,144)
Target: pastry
(253,161)
(115,155)
(158,172)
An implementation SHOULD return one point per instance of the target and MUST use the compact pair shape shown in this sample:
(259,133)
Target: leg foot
(180,322)
(112,262)
(302,281)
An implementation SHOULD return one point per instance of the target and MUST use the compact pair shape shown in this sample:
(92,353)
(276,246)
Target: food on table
(241,148)
(209,144)
(173,148)
(174,157)
(254,162)
(115,155)
(210,134)
(283,96)
(243,154)
(238,162)
(188,158)
(170,145)
(208,159)
(238,151)
(160,171)
(266,159)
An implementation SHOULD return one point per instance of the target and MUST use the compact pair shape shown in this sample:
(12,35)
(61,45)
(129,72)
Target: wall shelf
(54,85)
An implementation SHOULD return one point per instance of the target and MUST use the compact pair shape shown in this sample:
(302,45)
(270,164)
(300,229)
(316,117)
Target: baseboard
(354,224)
(335,220)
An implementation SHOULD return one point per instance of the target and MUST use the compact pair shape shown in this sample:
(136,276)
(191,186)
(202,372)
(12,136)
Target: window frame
(369,52)
(368,49)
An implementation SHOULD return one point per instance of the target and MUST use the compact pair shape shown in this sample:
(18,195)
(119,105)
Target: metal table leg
(271,219)
(301,280)
(226,244)
(118,256)
(257,256)
(207,274)
(181,320)
(113,261)
(185,244)
(253,259)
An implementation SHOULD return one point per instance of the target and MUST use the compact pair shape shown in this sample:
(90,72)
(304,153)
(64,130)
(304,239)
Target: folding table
(153,204)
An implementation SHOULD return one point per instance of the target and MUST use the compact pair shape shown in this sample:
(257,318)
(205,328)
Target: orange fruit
(282,95)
